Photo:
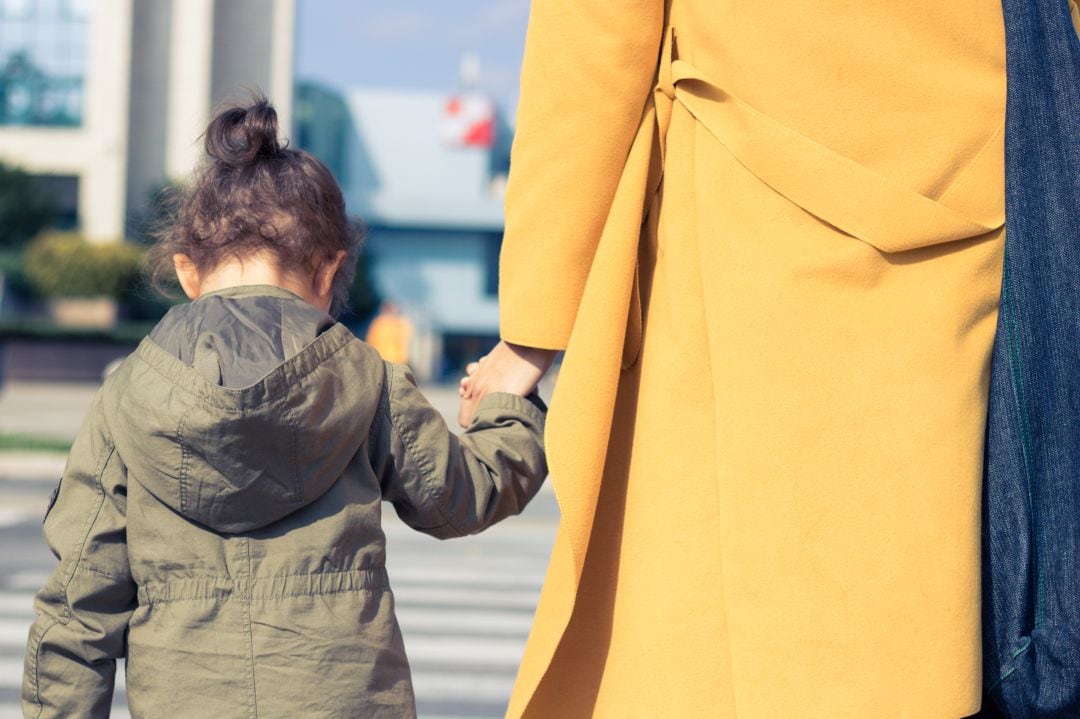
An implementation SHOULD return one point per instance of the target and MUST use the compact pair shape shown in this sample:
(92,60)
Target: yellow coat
(769,237)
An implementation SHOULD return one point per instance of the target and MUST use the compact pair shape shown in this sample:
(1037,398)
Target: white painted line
(10,710)
(464,651)
(432,686)
(426,574)
(10,517)
(46,467)
(466,597)
(418,619)
(13,632)
(17,605)
(11,673)
(27,580)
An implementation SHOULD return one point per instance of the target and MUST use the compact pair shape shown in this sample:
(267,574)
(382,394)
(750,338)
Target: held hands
(507,368)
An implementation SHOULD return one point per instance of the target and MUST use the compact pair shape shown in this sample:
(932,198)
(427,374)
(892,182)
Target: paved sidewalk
(44,409)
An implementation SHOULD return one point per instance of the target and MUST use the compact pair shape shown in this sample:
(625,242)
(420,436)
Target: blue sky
(411,43)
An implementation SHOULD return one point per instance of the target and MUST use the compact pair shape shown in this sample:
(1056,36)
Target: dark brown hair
(253,194)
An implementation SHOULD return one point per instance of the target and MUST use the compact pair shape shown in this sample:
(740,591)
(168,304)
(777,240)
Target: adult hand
(507,368)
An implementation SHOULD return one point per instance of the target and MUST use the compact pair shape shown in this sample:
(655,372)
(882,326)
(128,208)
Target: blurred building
(425,171)
(106,99)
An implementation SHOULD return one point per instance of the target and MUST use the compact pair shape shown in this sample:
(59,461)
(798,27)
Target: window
(43,47)
(64,190)
(492,246)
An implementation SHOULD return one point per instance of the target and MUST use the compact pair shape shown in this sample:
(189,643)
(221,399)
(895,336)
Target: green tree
(25,209)
(66,265)
(363,299)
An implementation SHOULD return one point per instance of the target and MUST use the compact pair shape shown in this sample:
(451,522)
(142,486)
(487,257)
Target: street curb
(43,466)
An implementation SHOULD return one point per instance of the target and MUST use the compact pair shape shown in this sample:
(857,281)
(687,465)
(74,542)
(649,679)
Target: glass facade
(43,57)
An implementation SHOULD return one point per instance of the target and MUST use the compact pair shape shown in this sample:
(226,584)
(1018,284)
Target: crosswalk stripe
(465,597)
(459,686)
(431,621)
(11,710)
(11,670)
(11,517)
(472,576)
(32,580)
(16,604)
(464,651)
(13,632)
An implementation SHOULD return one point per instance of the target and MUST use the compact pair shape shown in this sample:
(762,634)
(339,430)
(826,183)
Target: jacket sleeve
(451,486)
(588,71)
(84,607)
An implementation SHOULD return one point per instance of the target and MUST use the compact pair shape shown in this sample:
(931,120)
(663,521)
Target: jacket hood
(242,407)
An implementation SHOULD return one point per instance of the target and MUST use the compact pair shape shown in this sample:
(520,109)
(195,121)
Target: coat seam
(382,413)
(294,433)
(185,455)
(214,578)
(245,604)
(226,593)
(426,475)
(291,372)
(96,571)
(1026,445)
(36,664)
(91,519)
(1011,668)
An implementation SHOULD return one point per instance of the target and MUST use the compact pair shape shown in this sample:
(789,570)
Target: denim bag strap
(1031,504)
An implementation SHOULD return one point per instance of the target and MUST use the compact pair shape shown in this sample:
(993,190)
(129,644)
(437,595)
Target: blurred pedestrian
(218,522)
(390,333)
(769,238)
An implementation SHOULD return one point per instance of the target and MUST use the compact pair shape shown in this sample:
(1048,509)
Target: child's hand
(465,386)
(507,368)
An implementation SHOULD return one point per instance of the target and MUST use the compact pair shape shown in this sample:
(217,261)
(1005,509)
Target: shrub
(25,209)
(363,298)
(66,265)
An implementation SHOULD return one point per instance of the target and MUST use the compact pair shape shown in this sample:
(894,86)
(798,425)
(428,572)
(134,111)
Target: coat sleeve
(588,71)
(451,486)
(84,607)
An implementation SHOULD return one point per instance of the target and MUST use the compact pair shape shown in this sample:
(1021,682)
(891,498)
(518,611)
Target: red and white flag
(469,121)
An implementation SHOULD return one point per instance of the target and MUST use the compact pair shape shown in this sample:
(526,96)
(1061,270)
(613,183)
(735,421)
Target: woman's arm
(507,368)
(588,71)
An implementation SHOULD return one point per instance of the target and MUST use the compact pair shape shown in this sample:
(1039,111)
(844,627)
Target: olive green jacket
(218,522)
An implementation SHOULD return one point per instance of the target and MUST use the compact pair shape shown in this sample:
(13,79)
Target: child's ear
(188,275)
(325,274)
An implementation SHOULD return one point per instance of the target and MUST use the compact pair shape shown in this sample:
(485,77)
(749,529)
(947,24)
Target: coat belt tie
(852,197)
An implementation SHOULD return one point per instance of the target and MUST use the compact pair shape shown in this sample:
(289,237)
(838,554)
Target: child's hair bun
(240,136)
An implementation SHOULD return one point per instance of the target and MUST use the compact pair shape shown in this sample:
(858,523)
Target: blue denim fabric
(1031,506)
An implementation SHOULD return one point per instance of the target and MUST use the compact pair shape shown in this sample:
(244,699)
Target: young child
(218,522)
